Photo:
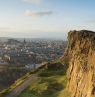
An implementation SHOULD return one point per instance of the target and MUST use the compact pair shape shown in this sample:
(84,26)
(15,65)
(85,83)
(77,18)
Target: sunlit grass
(51,83)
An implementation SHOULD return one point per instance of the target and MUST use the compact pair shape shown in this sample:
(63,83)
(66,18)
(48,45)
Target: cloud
(31,13)
(33,1)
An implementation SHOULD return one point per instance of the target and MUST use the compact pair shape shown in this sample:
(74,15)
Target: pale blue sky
(45,18)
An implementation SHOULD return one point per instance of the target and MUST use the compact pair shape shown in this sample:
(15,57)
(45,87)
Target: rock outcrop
(81,73)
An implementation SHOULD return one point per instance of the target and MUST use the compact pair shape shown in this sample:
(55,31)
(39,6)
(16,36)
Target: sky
(45,18)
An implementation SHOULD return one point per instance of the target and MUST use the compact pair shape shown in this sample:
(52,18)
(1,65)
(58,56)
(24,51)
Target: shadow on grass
(53,70)
(52,89)
(47,85)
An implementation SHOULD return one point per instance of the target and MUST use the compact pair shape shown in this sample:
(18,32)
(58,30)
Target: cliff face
(81,52)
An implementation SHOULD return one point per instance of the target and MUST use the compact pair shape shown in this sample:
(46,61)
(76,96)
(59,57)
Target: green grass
(16,83)
(44,87)
(51,83)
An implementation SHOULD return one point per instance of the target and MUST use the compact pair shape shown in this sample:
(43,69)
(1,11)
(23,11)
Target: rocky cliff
(81,73)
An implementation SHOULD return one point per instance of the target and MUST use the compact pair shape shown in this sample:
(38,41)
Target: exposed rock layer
(81,52)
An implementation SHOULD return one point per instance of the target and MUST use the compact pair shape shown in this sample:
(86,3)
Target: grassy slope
(52,82)
(16,83)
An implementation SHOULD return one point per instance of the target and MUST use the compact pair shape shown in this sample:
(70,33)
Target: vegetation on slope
(8,76)
(52,82)
(14,85)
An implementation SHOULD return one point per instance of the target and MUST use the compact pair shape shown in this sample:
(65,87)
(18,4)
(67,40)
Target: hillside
(10,73)
(47,80)
(81,73)
(71,76)
(52,80)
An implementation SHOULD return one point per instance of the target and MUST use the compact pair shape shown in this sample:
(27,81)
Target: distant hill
(13,41)
(4,39)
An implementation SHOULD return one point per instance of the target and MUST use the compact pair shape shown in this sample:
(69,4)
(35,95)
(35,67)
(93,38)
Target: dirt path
(15,92)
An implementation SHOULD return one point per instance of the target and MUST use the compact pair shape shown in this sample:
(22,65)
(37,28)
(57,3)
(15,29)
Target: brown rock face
(81,52)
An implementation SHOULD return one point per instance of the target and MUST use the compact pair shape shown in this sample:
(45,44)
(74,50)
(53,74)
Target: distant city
(29,53)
